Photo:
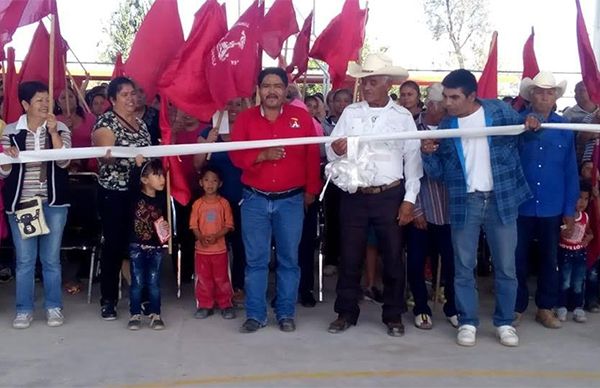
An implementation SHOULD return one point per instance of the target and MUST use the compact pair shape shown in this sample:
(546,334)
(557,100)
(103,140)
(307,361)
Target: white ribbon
(202,148)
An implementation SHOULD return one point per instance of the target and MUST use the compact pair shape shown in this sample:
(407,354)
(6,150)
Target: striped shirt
(432,201)
(35,183)
(588,149)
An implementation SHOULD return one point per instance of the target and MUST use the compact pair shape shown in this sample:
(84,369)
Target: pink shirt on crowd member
(82,137)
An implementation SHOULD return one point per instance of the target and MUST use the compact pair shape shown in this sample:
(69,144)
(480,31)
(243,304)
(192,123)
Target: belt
(276,194)
(379,189)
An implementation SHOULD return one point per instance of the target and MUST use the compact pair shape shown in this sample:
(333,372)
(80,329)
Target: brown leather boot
(547,319)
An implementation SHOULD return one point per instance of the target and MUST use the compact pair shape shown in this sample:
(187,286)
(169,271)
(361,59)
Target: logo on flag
(224,47)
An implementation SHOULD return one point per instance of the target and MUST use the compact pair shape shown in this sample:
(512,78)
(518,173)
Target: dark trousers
(234,238)
(433,242)
(307,248)
(186,240)
(331,211)
(547,232)
(591,285)
(358,212)
(115,214)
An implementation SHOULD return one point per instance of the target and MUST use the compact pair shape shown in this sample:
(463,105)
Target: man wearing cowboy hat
(386,202)
(485,185)
(550,166)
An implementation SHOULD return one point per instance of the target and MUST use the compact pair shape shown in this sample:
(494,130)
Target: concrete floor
(87,351)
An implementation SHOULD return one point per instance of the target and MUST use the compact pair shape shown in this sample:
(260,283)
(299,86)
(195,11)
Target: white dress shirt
(394,159)
(476,151)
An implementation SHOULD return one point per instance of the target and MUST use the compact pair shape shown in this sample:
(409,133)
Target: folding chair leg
(178,271)
(320,276)
(91,275)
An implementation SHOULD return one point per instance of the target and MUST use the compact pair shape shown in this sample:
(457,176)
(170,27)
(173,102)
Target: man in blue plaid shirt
(486,185)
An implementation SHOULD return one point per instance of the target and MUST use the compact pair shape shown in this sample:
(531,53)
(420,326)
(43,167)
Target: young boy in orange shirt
(210,220)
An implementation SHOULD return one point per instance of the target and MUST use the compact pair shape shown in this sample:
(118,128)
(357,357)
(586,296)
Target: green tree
(464,23)
(120,30)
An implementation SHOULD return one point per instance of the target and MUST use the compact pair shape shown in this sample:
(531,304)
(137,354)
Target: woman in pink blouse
(80,123)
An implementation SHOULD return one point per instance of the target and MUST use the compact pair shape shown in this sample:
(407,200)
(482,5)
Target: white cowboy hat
(544,80)
(377,64)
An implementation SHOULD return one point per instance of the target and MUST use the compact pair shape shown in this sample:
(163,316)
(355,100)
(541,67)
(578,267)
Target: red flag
(184,80)
(341,41)
(12,105)
(278,25)
(589,67)
(35,66)
(17,13)
(301,48)
(530,67)
(180,189)
(487,86)
(234,62)
(156,43)
(118,70)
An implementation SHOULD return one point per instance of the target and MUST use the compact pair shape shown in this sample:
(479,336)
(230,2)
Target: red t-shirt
(300,167)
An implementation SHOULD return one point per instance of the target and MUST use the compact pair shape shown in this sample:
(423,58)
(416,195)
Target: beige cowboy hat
(377,64)
(544,80)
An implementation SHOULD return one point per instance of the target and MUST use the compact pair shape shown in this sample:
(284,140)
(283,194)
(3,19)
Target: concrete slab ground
(87,351)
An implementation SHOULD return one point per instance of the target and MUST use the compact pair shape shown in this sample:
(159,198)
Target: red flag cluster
(184,80)
(341,41)
(157,41)
(35,66)
(18,13)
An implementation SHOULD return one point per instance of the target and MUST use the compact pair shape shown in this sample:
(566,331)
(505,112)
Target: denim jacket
(448,164)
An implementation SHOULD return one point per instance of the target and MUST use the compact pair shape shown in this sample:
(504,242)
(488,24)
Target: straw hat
(544,80)
(377,64)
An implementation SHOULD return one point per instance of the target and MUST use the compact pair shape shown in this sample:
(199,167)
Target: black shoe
(203,313)
(395,329)
(373,294)
(250,326)
(339,325)
(135,322)
(287,325)
(308,300)
(108,312)
(228,313)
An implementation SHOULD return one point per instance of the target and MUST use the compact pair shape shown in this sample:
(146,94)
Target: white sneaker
(466,335)
(55,317)
(508,335)
(329,270)
(561,314)
(579,315)
(22,320)
(453,320)
(423,322)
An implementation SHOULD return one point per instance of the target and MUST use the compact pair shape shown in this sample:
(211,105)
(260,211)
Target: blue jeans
(572,269)
(48,247)
(145,274)
(482,212)
(282,219)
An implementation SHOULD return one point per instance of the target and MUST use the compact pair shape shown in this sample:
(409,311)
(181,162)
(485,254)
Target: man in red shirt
(279,182)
